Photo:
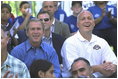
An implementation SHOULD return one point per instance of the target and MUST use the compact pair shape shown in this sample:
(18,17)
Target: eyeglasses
(45,19)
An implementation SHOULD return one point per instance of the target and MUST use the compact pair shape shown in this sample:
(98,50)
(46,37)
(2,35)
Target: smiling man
(91,47)
(33,48)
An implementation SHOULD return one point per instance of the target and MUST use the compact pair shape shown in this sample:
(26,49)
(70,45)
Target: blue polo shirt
(60,15)
(21,33)
(72,22)
(26,53)
(97,12)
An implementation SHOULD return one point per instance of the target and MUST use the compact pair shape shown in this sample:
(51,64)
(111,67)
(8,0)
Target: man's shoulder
(57,36)
(46,47)
(71,39)
(59,23)
(99,39)
(15,61)
(18,49)
(22,45)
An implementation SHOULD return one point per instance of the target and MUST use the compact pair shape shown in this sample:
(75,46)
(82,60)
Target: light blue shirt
(15,66)
(26,53)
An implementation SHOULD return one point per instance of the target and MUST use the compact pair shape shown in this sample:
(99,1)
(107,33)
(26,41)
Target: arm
(23,25)
(112,19)
(108,60)
(107,69)
(98,20)
(25,72)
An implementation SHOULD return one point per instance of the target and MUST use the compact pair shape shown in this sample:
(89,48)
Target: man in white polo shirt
(84,44)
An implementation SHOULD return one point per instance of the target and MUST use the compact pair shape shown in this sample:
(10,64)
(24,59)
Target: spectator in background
(56,26)
(72,20)
(6,25)
(41,69)
(11,66)
(33,48)
(81,68)
(5,16)
(22,21)
(59,13)
(54,40)
(84,44)
(106,22)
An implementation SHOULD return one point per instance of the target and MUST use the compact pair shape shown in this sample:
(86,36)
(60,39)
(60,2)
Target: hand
(109,14)
(107,68)
(10,76)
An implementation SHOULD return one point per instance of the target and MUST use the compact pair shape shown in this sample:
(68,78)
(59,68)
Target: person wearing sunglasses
(53,39)
(56,26)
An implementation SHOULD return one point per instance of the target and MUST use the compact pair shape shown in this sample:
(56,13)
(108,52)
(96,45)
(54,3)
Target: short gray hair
(34,20)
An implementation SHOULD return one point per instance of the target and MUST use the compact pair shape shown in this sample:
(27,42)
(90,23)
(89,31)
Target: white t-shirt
(96,51)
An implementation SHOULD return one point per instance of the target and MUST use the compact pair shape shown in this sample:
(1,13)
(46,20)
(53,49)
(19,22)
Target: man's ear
(27,33)
(41,74)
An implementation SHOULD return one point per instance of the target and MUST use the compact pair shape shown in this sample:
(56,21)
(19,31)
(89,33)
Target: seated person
(81,68)
(53,39)
(33,48)
(11,66)
(41,69)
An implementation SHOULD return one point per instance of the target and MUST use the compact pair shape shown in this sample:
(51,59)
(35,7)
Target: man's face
(35,32)
(49,6)
(77,8)
(80,68)
(86,22)
(46,20)
(5,14)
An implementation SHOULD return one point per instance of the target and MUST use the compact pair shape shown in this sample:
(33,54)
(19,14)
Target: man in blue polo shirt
(106,22)
(33,48)
(72,20)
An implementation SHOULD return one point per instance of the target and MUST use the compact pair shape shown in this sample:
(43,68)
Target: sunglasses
(45,19)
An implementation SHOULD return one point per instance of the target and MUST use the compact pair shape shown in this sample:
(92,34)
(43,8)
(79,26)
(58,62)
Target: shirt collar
(80,37)
(53,21)
(50,37)
(29,46)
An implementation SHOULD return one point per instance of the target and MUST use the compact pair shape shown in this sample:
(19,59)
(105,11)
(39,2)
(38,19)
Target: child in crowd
(22,21)
(42,69)
(6,24)
(72,20)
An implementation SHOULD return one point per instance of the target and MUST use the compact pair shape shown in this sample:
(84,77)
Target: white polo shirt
(96,51)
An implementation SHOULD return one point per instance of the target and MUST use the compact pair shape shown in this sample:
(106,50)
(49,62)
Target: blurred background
(36,6)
